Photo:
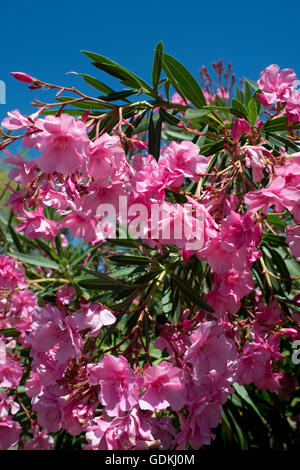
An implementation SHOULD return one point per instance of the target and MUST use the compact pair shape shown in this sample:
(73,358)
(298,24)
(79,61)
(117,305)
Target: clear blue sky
(44,39)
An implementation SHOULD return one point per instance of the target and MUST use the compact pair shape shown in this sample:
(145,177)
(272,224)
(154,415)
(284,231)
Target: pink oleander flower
(7,405)
(164,387)
(196,429)
(270,380)
(210,350)
(48,367)
(293,240)
(52,327)
(254,364)
(66,294)
(265,317)
(33,385)
(16,200)
(107,158)
(276,86)
(182,160)
(46,405)
(149,176)
(11,273)
(216,387)
(63,143)
(119,385)
(162,430)
(257,159)
(10,370)
(129,432)
(21,306)
(81,223)
(9,433)
(222,257)
(93,317)
(179,225)
(269,196)
(230,287)
(35,225)
(23,172)
(56,409)
(239,231)
(40,441)
(175,342)
(15,120)
(293,107)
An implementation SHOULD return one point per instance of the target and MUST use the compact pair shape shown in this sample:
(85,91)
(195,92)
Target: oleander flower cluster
(202,204)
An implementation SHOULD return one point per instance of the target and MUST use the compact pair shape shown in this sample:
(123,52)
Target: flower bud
(22,77)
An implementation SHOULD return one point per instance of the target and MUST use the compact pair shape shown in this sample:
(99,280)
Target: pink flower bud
(139,144)
(289,332)
(245,126)
(239,126)
(22,77)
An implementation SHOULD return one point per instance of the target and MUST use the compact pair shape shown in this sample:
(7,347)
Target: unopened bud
(22,77)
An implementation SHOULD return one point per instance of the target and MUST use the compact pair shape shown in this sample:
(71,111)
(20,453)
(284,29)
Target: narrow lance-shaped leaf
(183,81)
(252,112)
(157,64)
(94,83)
(113,68)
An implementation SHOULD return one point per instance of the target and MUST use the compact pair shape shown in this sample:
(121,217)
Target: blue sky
(44,39)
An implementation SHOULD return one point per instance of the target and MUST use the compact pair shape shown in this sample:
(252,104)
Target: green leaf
(178,135)
(9,332)
(252,84)
(157,64)
(238,106)
(183,81)
(280,141)
(130,259)
(239,94)
(98,284)
(167,85)
(242,392)
(211,149)
(95,83)
(275,220)
(71,112)
(16,238)
(277,124)
(167,303)
(196,113)
(240,434)
(127,78)
(201,139)
(35,260)
(276,240)
(247,93)
(154,136)
(168,117)
(190,293)
(252,112)
(118,95)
